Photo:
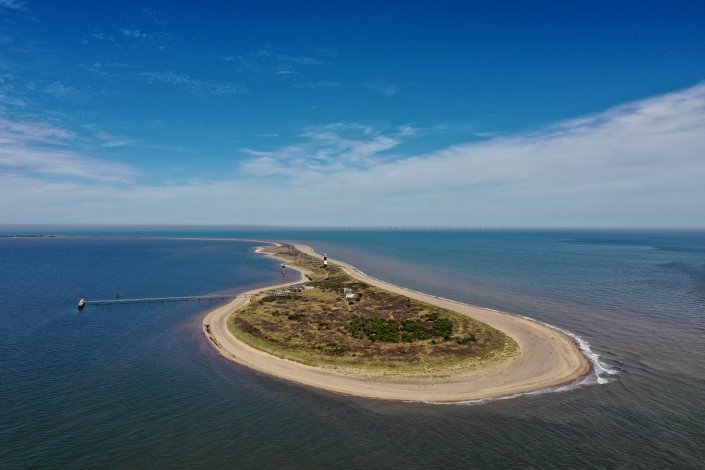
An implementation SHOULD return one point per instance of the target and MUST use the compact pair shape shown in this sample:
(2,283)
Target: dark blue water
(138,386)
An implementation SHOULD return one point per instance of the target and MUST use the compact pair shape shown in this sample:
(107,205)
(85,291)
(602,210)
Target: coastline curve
(547,356)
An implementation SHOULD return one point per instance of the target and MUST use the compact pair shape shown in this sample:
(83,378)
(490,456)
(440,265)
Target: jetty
(143,300)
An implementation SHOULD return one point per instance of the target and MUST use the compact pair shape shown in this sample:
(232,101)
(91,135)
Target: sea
(139,386)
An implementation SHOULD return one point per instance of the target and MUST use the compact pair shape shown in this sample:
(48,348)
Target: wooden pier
(83,302)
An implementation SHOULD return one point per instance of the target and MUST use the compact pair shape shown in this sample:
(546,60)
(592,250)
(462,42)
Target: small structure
(308,287)
(281,292)
(348,293)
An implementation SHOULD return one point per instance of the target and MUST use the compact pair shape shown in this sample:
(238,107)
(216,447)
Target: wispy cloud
(55,89)
(153,32)
(317,85)
(109,70)
(270,60)
(637,164)
(59,90)
(329,147)
(10,95)
(633,165)
(110,140)
(385,89)
(38,148)
(14,131)
(13,4)
(133,33)
(208,87)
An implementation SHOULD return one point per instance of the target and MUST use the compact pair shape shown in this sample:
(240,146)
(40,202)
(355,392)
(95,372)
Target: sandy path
(547,357)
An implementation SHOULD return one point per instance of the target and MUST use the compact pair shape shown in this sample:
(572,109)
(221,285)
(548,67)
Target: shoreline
(547,357)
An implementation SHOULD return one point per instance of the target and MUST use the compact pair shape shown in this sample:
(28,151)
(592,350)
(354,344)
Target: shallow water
(138,386)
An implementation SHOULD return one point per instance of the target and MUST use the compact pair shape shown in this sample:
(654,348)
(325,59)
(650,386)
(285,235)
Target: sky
(421,114)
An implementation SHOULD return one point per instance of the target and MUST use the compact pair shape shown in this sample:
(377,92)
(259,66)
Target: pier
(83,302)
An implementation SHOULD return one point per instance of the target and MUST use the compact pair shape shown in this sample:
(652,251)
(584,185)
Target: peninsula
(336,328)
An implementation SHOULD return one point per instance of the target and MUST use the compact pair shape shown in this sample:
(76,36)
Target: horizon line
(477,228)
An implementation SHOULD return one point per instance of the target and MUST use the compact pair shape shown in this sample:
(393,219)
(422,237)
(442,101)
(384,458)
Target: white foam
(596,378)
(599,368)
(482,401)
(591,379)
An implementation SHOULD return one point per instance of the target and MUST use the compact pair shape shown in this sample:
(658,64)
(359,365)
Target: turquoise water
(138,386)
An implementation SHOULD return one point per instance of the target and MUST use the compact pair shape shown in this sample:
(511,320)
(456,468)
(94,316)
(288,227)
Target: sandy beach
(547,357)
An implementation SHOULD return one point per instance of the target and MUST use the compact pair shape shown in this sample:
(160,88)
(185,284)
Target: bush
(337,349)
(466,340)
(395,331)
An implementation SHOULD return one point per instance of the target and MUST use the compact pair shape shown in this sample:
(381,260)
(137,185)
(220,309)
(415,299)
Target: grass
(375,333)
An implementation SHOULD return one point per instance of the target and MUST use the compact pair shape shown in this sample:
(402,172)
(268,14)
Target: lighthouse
(325,261)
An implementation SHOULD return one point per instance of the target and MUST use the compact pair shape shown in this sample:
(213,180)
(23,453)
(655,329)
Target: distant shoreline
(547,357)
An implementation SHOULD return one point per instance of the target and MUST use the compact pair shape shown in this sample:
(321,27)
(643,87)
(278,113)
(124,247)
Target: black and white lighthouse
(325,261)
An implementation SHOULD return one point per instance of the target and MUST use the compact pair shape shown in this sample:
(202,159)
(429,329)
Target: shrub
(395,331)
(466,340)
(337,349)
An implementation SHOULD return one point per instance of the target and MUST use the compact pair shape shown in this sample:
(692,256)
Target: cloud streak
(269,60)
(641,164)
(385,89)
(194,85)
(38,148)
(13,4)
(327,149)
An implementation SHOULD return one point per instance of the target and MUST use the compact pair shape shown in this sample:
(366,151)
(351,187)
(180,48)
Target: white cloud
(56,89)
(270,60)
(23,131)
(133,33)
(61,91)
(110,140)
(327,148)
(640,164)
(317,85)
(13,4)
(385,89)
(153,33)
(38,148)
(194,85)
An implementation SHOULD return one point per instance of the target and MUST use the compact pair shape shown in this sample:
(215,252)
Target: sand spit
(547,357)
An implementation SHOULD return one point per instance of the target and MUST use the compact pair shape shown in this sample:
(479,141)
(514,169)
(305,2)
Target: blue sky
(508,114)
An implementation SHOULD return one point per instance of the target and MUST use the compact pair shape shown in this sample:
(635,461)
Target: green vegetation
(375,332)
(395,331)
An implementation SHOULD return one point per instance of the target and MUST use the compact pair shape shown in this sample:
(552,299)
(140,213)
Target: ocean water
(138,386)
